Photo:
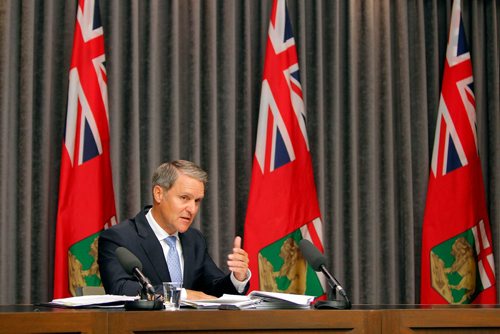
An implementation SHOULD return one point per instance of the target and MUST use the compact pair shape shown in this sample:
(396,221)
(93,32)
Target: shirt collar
(159,232)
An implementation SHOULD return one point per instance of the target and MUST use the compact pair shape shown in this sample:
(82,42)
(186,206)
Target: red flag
(86,197)
(457,253)
(282,206)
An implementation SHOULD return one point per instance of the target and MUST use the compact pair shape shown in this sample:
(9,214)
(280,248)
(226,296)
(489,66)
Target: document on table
(281,300)
(227,301)
(256,299)
(91,301)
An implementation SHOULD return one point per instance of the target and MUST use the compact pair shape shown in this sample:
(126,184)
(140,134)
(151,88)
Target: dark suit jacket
(200,271)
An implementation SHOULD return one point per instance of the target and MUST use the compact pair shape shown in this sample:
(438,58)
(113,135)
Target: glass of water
(172,295)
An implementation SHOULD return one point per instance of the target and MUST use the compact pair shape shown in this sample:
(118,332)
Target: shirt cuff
(240,285)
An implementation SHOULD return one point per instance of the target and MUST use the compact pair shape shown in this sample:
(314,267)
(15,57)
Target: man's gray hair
(167,173)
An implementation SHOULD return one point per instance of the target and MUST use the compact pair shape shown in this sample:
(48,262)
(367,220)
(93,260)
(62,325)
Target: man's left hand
(238,261)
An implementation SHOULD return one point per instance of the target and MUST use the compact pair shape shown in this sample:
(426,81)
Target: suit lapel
(152,248)
(188,255)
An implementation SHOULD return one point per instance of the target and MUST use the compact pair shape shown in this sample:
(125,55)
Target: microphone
(317,261)
(133,266)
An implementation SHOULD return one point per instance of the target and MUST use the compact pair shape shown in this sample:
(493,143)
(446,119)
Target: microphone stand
(146,301)
(333,302)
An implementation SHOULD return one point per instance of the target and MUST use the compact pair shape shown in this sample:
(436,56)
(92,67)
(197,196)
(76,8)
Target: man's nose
(191,207)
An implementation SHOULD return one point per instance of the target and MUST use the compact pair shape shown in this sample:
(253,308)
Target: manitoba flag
(282,205)
(457,253)
(86,197)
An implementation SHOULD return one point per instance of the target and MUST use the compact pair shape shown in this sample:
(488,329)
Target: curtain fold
(184,80)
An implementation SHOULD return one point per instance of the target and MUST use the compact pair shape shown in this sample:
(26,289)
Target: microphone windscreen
(128,260)
(312,255)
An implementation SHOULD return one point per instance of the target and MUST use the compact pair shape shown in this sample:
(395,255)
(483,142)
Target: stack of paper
(281,300)
(256,299)
(227,301)
(92,301)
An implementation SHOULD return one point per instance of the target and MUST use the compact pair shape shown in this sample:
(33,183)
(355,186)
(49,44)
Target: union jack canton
(455,142)
(281,91)
(82,137)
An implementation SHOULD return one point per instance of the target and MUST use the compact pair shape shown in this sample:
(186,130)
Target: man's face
(177,207)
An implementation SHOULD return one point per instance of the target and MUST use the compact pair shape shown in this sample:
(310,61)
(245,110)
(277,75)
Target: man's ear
(157,193)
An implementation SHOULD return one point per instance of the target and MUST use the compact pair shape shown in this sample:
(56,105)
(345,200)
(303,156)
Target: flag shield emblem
(455,273)
(282,268)
(82,264)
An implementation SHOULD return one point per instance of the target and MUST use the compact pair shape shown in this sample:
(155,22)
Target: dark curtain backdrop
(184,81)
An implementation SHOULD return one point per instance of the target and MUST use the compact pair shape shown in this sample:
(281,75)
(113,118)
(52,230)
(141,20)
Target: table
(361,319)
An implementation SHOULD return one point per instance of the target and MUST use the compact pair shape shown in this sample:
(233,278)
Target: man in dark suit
(178,188)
